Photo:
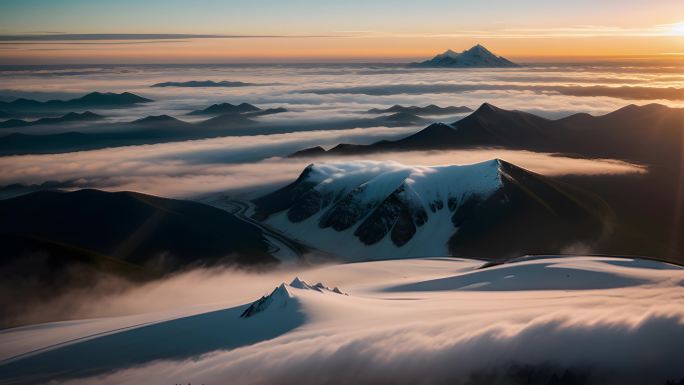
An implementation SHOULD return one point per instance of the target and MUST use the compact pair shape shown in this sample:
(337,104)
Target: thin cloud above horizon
(133,36)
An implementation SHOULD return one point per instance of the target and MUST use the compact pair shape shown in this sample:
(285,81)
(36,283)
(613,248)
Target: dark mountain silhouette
(157,233)
(268,111)
(160,122)
(54,242)
(477,56)
(245,109)
(71,117)
(312,151)
(203,83)
(226,108)
(648,134)
(17,189)
(401,118)
(420,111)
(91,100)
(226,121)
(147,130)
(164,128)
(34,271)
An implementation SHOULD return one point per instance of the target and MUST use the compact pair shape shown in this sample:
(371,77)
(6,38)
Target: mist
(217,165)
(596,338)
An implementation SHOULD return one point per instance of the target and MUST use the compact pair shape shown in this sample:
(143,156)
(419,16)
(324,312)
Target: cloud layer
(189,168)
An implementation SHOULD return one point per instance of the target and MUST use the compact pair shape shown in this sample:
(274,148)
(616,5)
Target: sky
(308,30)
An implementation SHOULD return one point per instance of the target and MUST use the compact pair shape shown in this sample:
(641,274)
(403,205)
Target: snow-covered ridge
(384,209)
(381,175)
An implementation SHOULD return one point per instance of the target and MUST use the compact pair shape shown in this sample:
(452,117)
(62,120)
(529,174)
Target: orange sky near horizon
(362,48)
(353,30)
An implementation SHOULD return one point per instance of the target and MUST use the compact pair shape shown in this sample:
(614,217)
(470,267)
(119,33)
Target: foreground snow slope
(439,320)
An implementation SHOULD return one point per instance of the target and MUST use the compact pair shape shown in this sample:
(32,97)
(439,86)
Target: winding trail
(285,248)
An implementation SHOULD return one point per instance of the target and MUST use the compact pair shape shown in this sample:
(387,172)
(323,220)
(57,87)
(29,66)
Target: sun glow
(677,29)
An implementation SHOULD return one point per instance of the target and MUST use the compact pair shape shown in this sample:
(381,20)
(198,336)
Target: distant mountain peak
(157,119)
(311,151)
(278,298)
(476,56)
(111,97)
(430,109)
(226,108)
(319,287)
(486,108)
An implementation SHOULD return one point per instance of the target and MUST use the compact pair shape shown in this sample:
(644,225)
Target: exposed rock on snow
(281,296)
(319,287)
(278,298)
(373,210)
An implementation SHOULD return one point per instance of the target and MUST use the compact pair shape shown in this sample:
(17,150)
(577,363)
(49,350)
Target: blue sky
(321,17)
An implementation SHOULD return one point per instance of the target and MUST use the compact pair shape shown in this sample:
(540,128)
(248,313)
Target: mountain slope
(375,210)
(590,320)
(477,56)
(145,230)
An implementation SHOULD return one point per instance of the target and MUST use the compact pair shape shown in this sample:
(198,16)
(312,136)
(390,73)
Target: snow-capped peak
(281,296)
(476,56)
(319,287)
(278,299)
(299,284)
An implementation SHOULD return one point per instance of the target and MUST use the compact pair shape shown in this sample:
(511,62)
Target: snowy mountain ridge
(385,208)
(363,210)
(281,296)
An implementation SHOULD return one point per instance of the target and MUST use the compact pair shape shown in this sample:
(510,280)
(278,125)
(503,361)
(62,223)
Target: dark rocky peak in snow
(278,298)
(319,287)
(282,297)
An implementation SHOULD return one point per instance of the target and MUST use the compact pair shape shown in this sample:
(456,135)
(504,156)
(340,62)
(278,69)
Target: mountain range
(476,57)
(649,134)
(70,117)
(91,100)
(165,128)
(420,111)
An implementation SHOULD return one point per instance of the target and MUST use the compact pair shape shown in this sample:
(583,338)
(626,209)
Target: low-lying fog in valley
(314,95)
